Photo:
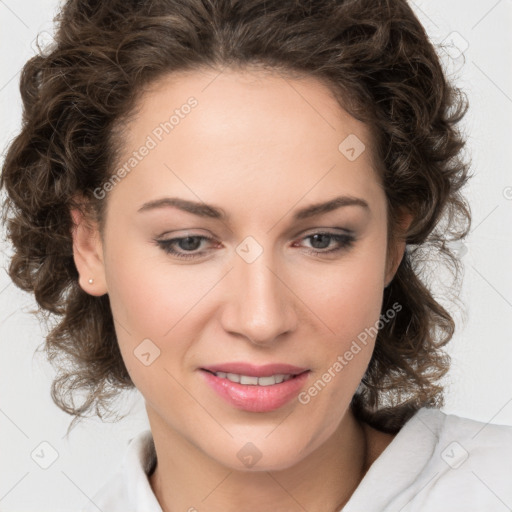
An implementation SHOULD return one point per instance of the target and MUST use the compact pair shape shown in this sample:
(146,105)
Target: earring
(91,281)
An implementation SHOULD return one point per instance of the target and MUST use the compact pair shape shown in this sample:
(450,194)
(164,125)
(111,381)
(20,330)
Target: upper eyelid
(302,233)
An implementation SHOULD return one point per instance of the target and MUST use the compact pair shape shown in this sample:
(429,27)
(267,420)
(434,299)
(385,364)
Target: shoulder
(460,438)
(469,467)
(440,461)
(470,463)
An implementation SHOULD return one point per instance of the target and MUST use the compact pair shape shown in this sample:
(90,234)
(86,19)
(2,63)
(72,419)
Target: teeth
(254,381)
(248,380)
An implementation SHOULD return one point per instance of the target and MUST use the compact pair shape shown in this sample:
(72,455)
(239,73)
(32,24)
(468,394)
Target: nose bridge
(261,308)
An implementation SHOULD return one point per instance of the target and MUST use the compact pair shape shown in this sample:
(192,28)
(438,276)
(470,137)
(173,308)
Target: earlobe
(88,254)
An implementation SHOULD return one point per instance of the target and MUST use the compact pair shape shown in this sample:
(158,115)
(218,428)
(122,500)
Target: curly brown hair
(375,57)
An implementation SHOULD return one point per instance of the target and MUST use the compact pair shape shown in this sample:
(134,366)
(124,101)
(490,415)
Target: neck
(186,478)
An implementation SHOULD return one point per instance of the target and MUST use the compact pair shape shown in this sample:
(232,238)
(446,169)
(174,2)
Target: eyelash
(346,241)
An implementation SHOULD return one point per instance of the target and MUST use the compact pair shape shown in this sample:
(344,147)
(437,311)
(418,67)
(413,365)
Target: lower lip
(254,398)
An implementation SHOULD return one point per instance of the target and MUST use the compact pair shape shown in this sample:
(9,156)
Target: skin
(260,147)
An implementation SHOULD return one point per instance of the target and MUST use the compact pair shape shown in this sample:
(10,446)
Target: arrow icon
(44,455)
(351,147)
(146,352)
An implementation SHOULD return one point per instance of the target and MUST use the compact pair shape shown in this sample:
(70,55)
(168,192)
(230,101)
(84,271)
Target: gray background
(479,384)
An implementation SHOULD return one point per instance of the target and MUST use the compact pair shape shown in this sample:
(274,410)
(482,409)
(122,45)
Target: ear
(397,247)
(88,253)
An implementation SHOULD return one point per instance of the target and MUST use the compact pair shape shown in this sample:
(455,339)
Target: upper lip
(252,370)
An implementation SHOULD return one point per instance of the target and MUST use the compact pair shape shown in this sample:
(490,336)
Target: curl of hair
(375,57)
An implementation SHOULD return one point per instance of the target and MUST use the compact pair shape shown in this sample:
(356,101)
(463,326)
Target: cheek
(348,304)
(347,296)
(148,293)
(347,300)
(148,301)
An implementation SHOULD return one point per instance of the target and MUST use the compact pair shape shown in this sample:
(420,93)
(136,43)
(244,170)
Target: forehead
(248,132)
(252,102)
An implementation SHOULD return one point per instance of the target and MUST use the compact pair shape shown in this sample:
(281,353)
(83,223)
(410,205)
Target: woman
(228,205)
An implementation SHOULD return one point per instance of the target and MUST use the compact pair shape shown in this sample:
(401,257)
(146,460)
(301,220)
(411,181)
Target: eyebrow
(214,212)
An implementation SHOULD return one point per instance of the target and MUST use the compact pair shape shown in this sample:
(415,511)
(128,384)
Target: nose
(261,306)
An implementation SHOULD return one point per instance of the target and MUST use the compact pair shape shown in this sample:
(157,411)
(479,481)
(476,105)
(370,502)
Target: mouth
(256,389)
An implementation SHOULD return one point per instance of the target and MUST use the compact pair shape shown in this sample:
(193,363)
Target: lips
(256,397)
(251,370)
(255,388)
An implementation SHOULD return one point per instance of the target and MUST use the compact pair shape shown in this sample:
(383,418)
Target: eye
(322,239)
(187,247)
(187,243)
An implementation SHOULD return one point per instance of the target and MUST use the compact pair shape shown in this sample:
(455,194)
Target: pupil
(320,236)
(186,245)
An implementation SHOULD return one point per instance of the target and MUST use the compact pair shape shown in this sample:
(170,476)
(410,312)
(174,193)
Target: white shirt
(436,463)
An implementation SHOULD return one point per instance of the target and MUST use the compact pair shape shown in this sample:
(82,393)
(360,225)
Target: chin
(260,455)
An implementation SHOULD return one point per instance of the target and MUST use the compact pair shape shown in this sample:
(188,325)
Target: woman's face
(249,282)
